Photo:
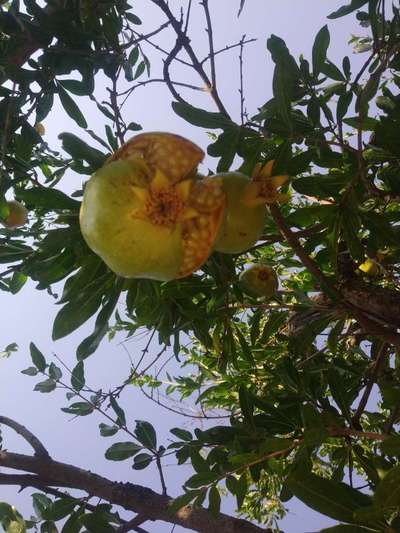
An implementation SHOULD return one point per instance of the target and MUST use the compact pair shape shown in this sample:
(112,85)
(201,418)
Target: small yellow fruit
(40,129)
(370,268)
(259,280)
(17,216)
(243,222)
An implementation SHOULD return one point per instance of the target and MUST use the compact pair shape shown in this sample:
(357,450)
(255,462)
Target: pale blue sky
(29,315)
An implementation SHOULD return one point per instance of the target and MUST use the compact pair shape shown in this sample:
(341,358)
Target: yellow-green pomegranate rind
(242,224)
(18,215)
(174,155)
(259,280)
(130,246)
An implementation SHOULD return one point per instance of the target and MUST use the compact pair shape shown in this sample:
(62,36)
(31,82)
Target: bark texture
(136,498)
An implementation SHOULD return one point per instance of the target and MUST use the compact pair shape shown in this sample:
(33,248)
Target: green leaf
(79,409)
(139,70)
(214,501)
(122,450)
(91,343)
(133,18)
(201,480)
(71,108)
(80,88)
(142,461)
(17,281)
(280,88)
(97,522)
(78,311)
(73,524)
(345,10)
(108,431)
(55,372)
(59,509)
(48,198)
(38,358)
(225,147)
(13,251)
(133,56)
(30,371)
(44,105)
(134,126)
(78,376)
(200,117)
(198,462)
(387,494)
(80,150)
(343,104)
(331,70)
(275,321)
(246,406)
(181,434)
(146,434)
(366,124)
(40,503)
(320,185)
(336,500)
(182,500)
(121,419)
(320,48)
(391,446)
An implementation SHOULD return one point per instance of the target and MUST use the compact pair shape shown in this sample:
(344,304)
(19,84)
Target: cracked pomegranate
(147,214)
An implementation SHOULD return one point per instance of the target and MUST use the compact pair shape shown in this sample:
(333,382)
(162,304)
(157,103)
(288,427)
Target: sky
(28,316)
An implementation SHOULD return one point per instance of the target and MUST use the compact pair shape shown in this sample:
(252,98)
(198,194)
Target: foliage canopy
(290,377)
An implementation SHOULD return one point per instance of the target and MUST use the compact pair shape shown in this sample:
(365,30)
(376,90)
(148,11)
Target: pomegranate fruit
(259,280)
(147,214)
(17,216)
(244,218)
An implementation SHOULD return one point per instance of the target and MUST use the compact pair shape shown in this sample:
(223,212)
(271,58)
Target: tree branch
(371,326)
(373,375)
(209,31)
(309,263)
(136,498)
(189,50)
(34,442)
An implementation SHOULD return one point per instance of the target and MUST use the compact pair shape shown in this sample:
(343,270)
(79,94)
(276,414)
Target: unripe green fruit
(259,280)
(145,213)
(17,216)
(243,223)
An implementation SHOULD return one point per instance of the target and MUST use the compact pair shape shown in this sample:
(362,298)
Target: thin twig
(241,90)
(209,31)
(228,47)
(373,374)
(167,62)
(181,35)
(161,474)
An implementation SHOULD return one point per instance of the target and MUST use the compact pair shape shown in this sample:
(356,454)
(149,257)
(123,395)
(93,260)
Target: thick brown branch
(359,312)
(348,432)
(136,498)
(33,441)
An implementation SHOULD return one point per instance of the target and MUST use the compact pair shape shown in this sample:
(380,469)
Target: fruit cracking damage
(148,213)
